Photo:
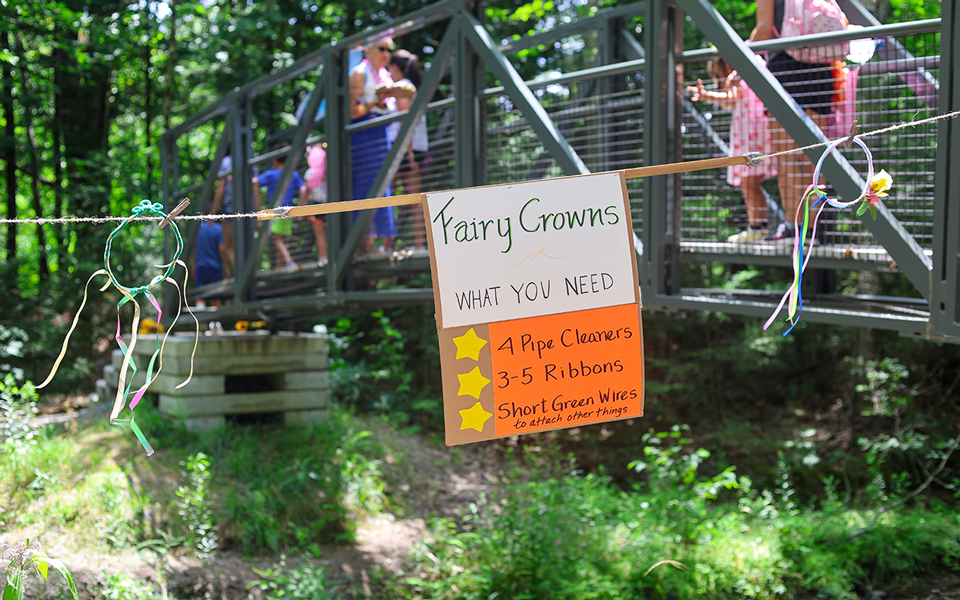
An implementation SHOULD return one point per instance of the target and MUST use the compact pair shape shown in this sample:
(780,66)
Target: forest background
(857,418)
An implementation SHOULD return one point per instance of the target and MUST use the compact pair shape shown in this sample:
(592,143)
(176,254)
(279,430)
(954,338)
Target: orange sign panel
(542,373)
(568,369)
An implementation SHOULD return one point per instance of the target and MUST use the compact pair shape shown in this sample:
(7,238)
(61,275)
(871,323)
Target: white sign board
(527,249)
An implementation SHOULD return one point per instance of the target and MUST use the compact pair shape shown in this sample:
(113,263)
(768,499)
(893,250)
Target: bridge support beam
(522,97)
(945,282)
(468,82)
(336,83)
(245,276)
(663,35)
(241,116)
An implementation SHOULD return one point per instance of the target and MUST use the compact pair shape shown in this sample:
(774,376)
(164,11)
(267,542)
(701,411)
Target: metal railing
(597,119)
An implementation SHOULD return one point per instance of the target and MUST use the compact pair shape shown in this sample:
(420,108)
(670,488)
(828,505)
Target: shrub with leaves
(25,558)
(194,506)
(307,582)
(18,405)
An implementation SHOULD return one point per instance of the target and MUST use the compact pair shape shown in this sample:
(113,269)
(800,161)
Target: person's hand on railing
(698,91)
(722,98)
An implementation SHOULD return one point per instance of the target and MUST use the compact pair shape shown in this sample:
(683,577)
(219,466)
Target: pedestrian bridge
(622,104)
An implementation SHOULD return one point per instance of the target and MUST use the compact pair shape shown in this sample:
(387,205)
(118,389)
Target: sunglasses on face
(383,48)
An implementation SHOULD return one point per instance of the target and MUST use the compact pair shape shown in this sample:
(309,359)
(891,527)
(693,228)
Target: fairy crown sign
(538,306)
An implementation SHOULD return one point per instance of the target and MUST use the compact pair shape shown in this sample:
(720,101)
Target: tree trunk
(43,263)
(147,106)
(171,62)
(29,102)
(83,96)
(58,231)
(9,154)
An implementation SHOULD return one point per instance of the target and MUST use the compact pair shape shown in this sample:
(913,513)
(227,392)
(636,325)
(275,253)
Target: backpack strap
(778,14)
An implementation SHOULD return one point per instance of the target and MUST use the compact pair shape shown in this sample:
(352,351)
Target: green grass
(550,532)
(268,488)
(678,535)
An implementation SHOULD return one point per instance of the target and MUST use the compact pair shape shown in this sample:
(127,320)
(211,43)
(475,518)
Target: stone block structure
(233,374)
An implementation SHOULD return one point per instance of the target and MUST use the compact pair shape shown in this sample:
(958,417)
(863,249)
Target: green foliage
(194,506)
(117,586)
(31,472)
(541,539)
(301,489)
(18,405)
(257,488)
(379,374)
(580,537)
(899,11)
(22,559)
(372,364)
(12,340)
(281,582)
(886,386)
(674,482)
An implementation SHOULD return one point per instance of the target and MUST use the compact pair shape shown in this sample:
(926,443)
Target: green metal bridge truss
(627,109)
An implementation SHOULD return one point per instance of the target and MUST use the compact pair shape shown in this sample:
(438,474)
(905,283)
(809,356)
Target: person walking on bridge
(369,146)
(282,228)
(814,86)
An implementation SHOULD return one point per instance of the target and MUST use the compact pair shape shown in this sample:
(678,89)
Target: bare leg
(794,170)
(283,255)
(753,197)
(320,233)
(227,254)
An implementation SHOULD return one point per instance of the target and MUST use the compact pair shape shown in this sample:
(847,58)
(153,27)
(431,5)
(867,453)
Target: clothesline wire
(933,119)
(249,215)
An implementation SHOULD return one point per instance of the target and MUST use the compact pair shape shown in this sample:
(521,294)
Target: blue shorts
(208,275)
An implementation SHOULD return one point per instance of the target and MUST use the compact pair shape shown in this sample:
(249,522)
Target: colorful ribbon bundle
(145,208)
(874,189)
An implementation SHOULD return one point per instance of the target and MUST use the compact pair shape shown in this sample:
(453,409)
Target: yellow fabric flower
(878,189)
(879,186)
(242,325)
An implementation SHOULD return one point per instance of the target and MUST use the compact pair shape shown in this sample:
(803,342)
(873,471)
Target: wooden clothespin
(854,130)
(176,211)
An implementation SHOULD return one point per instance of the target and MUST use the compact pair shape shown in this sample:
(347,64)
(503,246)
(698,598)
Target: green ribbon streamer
(145,208)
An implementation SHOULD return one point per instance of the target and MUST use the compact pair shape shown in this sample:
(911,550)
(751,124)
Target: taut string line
(349,205)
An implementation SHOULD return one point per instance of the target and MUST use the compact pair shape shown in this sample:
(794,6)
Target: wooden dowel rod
(347,205)
(369,203)
(683,167)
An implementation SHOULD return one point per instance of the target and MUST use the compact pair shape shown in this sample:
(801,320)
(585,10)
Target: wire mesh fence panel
(604,128)
(896,85)
(899,85)
(712,209)
(433,155)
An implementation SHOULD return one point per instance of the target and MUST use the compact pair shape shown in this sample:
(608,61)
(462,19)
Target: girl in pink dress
(748,133)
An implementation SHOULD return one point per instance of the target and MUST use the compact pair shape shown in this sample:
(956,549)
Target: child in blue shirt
(207,267)
(281,227)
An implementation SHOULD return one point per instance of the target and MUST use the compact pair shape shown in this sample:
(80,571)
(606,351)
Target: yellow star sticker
(472,383)
(469,344)
(474,417)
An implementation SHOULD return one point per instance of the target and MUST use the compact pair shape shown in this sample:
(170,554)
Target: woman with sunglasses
(372,96)
(404,68)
